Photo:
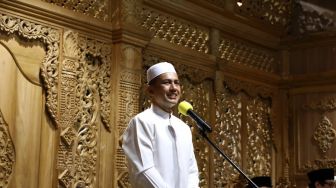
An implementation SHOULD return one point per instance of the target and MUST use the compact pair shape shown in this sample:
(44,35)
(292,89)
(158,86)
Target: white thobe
(159,150)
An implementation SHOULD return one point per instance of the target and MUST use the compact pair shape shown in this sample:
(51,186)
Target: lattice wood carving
(236,52)
(85,94)
(175,30)
(7,153)
(129,103)
(94,8)
(49,69)
(129,99)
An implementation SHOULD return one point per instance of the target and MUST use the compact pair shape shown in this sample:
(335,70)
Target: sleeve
(153,179)
(138,148)
(193,177)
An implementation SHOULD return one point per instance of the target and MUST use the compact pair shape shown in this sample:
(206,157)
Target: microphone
(185,108)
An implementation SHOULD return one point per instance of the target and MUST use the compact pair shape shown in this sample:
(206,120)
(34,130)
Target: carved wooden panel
(130,84)
(275,12)
(259,131)
(244,132)
(227,136)
(240,52)
(175,30)
(7,152)
(309,18)
(74,85)
(95,8)
(85,108)
(50,37)
(128,103)
(314,127)
(22,98)
(199,97)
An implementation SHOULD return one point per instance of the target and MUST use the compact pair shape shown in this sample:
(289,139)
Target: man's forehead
(168,75)
(159,68)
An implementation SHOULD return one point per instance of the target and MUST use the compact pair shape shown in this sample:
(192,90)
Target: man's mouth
(172,96)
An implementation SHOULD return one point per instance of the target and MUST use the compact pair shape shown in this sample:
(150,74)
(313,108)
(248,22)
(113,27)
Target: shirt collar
(157,110)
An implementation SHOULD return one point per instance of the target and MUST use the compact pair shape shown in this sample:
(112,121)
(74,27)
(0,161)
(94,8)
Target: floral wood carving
(85,94)
(198,95)
(252,90)
(324,105)
(236,111)
(259,131)
(99,55)
(49,69)
(310,20)
(324,134)
(226,134)
(275,12)
(319,163)
(7,153)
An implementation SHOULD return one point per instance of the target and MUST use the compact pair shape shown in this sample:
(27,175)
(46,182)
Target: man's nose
(174,86)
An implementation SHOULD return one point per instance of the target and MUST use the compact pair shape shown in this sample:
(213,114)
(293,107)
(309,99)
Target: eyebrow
(171,80)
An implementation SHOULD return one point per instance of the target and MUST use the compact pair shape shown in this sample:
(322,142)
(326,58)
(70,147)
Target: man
(261,182)
(157,144)
(321,178)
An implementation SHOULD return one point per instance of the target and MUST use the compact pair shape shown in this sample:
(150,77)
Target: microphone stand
(203,134)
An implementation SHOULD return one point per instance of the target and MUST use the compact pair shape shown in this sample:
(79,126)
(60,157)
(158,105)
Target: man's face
(165,91)
(327,184)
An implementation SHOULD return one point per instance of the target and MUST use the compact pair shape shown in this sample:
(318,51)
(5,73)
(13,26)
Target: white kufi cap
(159,68)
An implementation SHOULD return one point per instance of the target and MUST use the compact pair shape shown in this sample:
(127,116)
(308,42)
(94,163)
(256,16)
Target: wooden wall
(72,76)
(312,105)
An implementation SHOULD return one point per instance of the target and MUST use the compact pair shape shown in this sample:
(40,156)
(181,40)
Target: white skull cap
(158,69)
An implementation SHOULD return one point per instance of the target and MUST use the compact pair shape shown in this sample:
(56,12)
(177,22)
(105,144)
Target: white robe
(159,150)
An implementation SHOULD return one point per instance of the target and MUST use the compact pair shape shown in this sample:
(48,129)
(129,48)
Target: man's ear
(149,90)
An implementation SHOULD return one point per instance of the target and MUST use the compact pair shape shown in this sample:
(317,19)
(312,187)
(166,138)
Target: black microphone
(185,108)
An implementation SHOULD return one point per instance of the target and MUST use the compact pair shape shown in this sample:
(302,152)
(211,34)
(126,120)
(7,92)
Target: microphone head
(183,107)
